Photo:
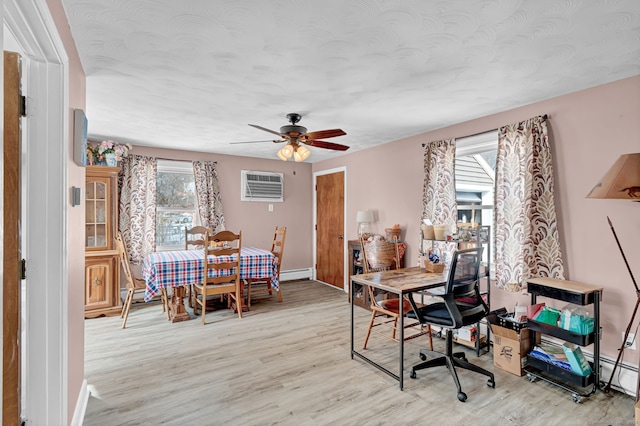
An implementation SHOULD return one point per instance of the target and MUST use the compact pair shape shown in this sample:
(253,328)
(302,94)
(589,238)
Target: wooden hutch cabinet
(102,266)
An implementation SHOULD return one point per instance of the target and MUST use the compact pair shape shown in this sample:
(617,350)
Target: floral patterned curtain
(526,229)
(209,199)
(137,218)
(439,190)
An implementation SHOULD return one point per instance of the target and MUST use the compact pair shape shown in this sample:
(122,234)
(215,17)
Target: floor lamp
(622,181)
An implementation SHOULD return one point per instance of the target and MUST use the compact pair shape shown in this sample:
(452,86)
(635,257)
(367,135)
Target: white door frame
(45,65)
(345,284)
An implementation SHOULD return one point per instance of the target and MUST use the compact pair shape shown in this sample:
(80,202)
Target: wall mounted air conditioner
(262,186)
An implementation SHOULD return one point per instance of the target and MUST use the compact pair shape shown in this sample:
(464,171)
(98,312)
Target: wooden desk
(402,282)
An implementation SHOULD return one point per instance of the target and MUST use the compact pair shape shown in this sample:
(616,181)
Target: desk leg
(401,342)
(178,311)
(352,296)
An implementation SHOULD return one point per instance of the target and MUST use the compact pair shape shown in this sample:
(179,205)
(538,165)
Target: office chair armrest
(454,312)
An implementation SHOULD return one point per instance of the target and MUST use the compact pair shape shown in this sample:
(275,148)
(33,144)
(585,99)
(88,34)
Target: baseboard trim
(296,274)
(81,405)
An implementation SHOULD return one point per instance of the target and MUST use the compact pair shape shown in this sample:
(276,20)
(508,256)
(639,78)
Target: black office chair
(461,305)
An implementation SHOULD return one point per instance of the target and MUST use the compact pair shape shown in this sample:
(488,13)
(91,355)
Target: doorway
(330,227)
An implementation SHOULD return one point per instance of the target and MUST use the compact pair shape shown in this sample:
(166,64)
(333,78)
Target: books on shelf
(552,354)
(579,363)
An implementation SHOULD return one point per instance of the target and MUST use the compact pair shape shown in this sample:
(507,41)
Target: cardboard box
(510,348)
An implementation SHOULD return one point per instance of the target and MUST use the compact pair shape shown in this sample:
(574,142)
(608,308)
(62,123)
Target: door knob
(340,237)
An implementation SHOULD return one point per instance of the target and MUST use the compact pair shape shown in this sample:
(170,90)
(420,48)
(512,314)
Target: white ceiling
(191,74)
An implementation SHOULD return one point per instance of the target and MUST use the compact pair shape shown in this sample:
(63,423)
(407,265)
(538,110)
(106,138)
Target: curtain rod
(544,118)
(163,158)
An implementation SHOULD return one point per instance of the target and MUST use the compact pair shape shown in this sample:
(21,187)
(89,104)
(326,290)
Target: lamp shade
(364,216)
(301,153)
(285,152)
(622,180)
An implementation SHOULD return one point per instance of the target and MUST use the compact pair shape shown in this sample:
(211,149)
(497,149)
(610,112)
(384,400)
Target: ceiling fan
(297,137)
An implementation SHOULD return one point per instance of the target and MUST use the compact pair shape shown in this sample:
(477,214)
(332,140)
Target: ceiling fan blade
(321,134)
(327,145)
(234,143)
(267,130)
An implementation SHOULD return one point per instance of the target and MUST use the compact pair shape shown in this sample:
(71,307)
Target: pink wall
(252,217)
(588,131)
(75,177)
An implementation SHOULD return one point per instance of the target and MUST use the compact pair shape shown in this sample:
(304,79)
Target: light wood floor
(289,364)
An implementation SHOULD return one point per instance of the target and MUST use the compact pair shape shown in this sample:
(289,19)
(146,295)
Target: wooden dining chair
(381,255)
(221,271)
(194,237)
(264,284)
(134,284)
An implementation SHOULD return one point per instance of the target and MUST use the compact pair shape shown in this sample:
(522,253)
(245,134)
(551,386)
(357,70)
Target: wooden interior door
(11,243)
(330,229)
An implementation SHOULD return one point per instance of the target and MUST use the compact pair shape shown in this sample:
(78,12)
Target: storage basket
(433,267)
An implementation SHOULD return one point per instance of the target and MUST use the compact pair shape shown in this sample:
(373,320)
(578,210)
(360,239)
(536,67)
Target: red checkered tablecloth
(185,267)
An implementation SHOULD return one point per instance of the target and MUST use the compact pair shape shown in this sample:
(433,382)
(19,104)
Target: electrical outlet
(631,341)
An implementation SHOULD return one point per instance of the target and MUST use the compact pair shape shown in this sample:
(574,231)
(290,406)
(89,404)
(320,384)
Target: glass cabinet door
(96,214)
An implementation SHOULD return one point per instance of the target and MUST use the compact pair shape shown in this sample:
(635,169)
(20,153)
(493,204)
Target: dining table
(178,269)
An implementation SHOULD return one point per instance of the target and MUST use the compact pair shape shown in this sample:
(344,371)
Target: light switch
(75,196)
(270,207)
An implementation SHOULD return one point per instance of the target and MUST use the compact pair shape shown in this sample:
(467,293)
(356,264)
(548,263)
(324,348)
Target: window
(176,203)
(475,178)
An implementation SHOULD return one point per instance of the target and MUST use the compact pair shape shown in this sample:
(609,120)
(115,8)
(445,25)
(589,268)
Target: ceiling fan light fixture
(301,153)
(285,152)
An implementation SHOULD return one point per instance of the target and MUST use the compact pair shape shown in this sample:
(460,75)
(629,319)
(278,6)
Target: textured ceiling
(191,74)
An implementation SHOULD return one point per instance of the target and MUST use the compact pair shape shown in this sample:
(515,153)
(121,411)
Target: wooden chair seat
(393,305)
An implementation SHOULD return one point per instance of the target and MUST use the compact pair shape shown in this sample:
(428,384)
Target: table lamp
(622,181)
(364,219)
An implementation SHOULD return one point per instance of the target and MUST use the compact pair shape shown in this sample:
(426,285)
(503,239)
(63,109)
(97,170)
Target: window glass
(475,179)
(176,204)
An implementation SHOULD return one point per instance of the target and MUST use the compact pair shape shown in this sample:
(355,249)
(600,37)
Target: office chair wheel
(491,383)
(413,374)
(423,357)
(462,397)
